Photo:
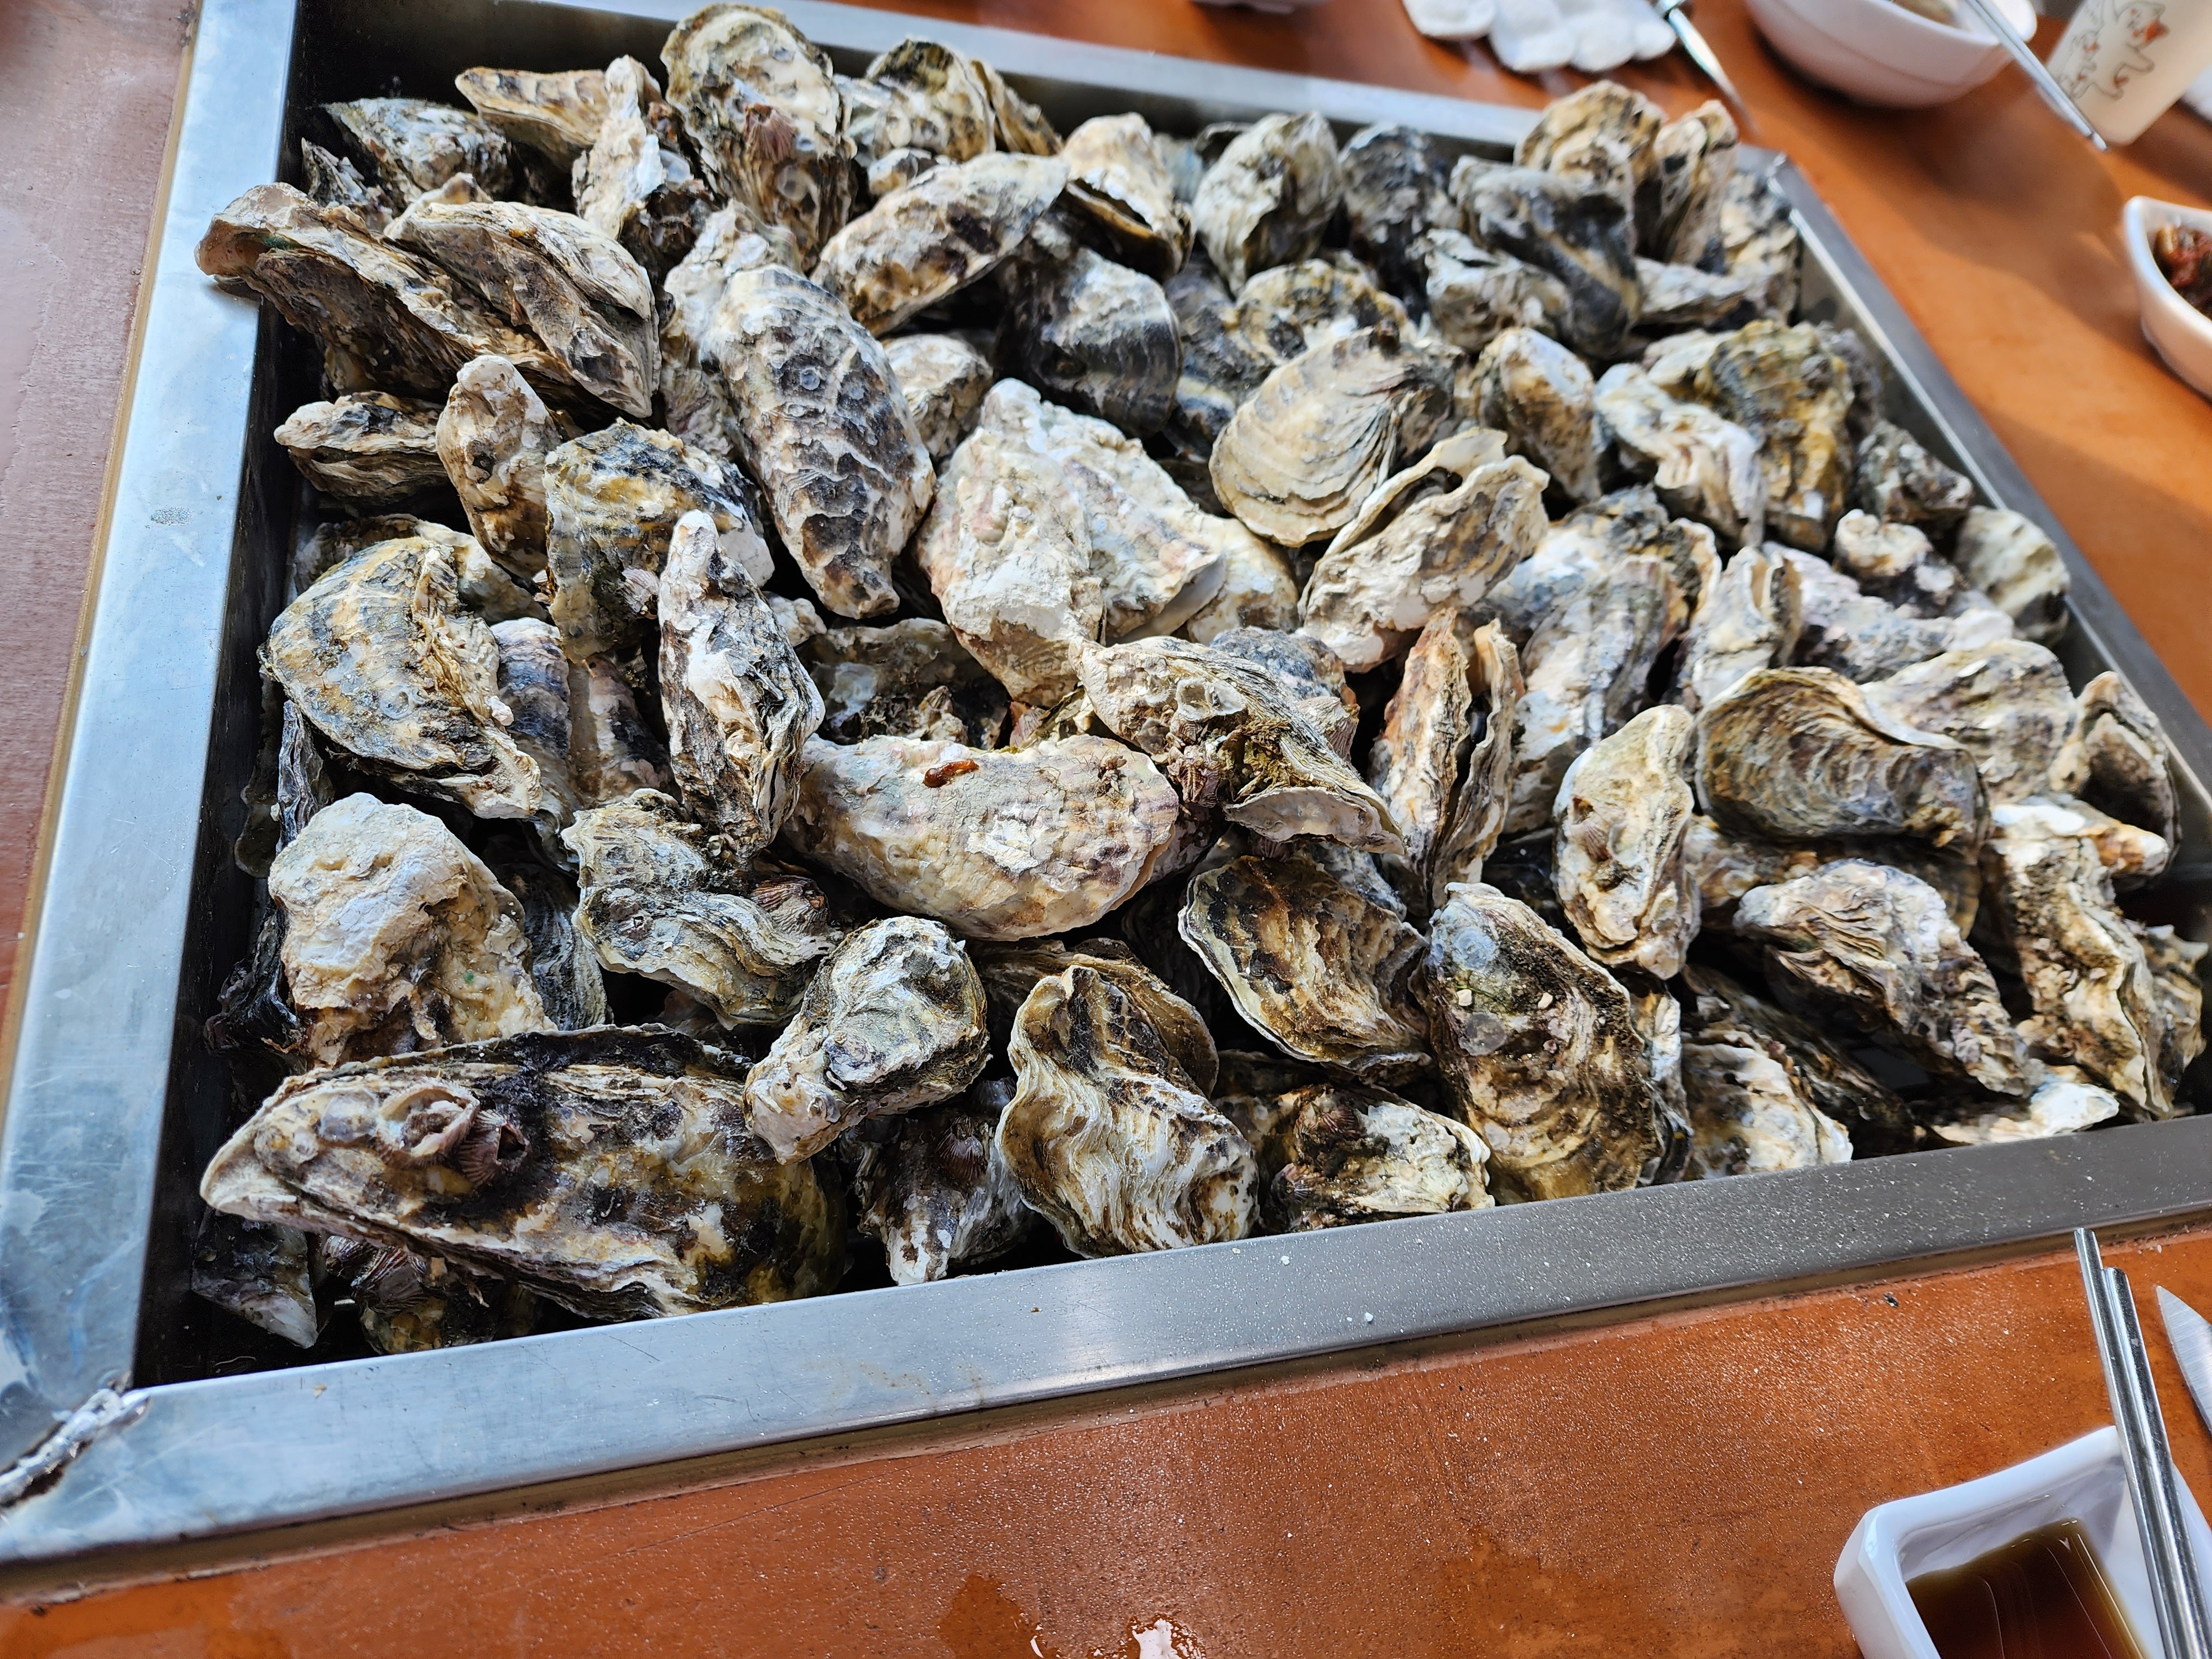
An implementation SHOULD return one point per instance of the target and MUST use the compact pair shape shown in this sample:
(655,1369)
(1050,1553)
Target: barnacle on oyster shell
(417,145)
(910,679)
(1395,192)
(1580,234)
(942,379)
(2010,559)
(492,438)
(1747,620)
(1011,971)
(1785,387)
(611,1171)
(1267,199)
(1117,179)
(932,1186)
(1541,396)
(556,114)
(369,448)
(1622,812)
(2007,701)
(1702,465)
(2116,758)
(1096,335)
(1343,1154)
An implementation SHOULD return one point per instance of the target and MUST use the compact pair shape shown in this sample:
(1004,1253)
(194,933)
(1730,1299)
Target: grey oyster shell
(1899,482)
(893,1020)
(1475,293)
(934,1188)
(1728,864)
(1602,136)
(1895,563)
(2175,964)
(2116,758)
(1703,466)
(1682,297)
(492,441)
(335,182)
(1257,591)
(563,964)
(557,114)
(397,938)
(635,184)
(738,703)
(910,679)
(1118,179)
(1622,812)
(1308,673)
(919,96)
(611,1171)
(762,105)
(1098,336)
(1106,1136)
(1395,192)
(533,685)
(1298,457)
(1758,242)
(942,379)
(1785,387)
(573,286)
(1876,948)
(1539,1049)
(1230,739)
(1747,620)
(611,750)
(1343,1154)
(1693,161)
(1541,396)
(821,425)
(381,656)
(613,498)
(694,397)
(261,1273)
(921,244)
(417,145)
(1018,125)
(369,448)
(1269,197)
(1864,637)
(2011,559)
(1580,235)
(1321,971)
(1824,1076)
(666,900)
(1011,971)
(1797,754)
(996,843)
(1750,1110)
(2007,701)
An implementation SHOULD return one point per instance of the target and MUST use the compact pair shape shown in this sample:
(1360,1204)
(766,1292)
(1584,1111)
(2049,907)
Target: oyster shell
(2116,758)
(568,283)
(1758,242)
(1580,234)
(893,1020)
(1785,387)
(1011,971)
(1820,1073)
(1269,197)
(1297,460)
(1692,161)
(1539,1049)
(1703,466)
(1899,482)
(612,1170)
(1320,969)
(911,680)
(1019,125)
(917,96)
(417,145)
(996,843)
(934,1188)
(2175,964)
(533,685)
(1800,753)
(1444,762)
(666,900)
(762,105)
(2007,701)
(1601,135)
(1747,620)
(1098,336)
(335,182)
(1257,591)
(1589,542)
(1105,1134)
(558,115)
(1308,673)
(1727,863)
(1345,1154)
(635,184)
(563,964)
(409,1303)
(1622,812)
(1874,947)
(1474,295)
(259,1272)
(738,703)
(942,379)
(695,396)
(1895,563)
(1229,739)
(2061,1104)
(2011,559)
(1750,1110)
(368,447)
(611,750)
(492,438)
(1682,297)
(1864,637)
(1541,395)
(1117,177)
(921,244)
(821,425)
(397,937)
(1395,192)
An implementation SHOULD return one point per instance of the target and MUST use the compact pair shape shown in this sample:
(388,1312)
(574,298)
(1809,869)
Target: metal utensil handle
(2045,84)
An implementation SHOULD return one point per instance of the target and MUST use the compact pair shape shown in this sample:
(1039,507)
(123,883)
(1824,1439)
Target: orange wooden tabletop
(1670,1485)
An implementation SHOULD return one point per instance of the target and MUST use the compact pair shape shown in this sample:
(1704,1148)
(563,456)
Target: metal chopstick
(2146,1457)
(2046,83)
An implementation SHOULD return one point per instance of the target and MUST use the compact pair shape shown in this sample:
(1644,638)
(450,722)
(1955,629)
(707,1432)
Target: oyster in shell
(417,145)
(336,182)
(492,438)
(381,656)
(1747,620)
(397,937)
(563,964)
(2175,964)
(942,379)
(1750,1110)
(368,447)
(921,244)
(1899,482)
(1118,179)
(1821,1073)
(1541,395)
(920,97)
(1703,466)
(1759,242)
(1692,161)
(1580,234)
(1323,971)
(1105,1134)
(568,283)
(1257,591)
(1395,192)
(996,843)
(409,1303)
(738,703)
(1797,754)
(666,900)
(1230,738)
(1308,673)
(693,393)
(821,425)
(612,1170)
(1269,197)
(1474,295)
(2063,1102)
(911,680)
(558,115)
(533,684)
(1011,971)
(1098,336)
(2116,758)
(1345,1154)
(1622,813)
(1297,460)
(1785,387)
(762,106)
(1018,125)
(635,184)
(2007,701)
(2011,559)
(1864,637)
(1682,297)
(1602,136)
(1875,948)
(1539,1049)
(893,1020)
(261,1273)
(931,1185)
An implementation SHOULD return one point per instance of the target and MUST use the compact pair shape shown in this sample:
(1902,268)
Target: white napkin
(2198,94)
(1452,20)
(1531,36)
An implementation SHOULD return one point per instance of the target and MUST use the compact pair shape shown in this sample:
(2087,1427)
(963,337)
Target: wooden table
(1676,1484)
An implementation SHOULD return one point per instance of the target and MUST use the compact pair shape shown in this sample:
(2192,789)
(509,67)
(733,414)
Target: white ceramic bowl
(1880,53)
(2082,1481)
(2177,330)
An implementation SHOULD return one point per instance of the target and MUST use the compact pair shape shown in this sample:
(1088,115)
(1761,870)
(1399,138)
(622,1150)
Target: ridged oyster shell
(417,145)
(1864,637)
(1475,294)
(1541,396)
(942,379)
(1603,136)
(917,96)
(1750,1110)
(2116,758)
(1825,1077)
(492,438)
(910,679)
(2012,561)
(1098,336)
(1580,235)
(1267,199)
(1396,190)
(1901,482)
(1747,620)
(1703,466)
(1116,178)
(1785,387)
(368,447)
(1309,675)
(556,114)
(1622,812)
(1011,971)
(2007,701)
(635,184)
(1342,1154)
(931,1185)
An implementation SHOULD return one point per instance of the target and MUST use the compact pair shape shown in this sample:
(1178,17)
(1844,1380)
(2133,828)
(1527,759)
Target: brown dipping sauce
(2043,1596)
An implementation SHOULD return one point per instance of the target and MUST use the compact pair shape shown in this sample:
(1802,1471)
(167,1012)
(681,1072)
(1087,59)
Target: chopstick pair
(2145,1454)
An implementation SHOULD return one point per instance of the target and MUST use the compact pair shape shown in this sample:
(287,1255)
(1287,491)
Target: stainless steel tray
(114,1103)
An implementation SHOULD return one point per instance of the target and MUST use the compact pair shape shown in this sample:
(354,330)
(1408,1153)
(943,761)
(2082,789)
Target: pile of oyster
(863,668)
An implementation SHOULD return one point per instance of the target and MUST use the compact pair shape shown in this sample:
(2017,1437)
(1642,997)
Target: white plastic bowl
(2177,330)
(2083,1480)
(1880,54)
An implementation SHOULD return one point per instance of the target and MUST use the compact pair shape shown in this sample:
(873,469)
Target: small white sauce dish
(2177,330)
(1880,54)
(2083,1480)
